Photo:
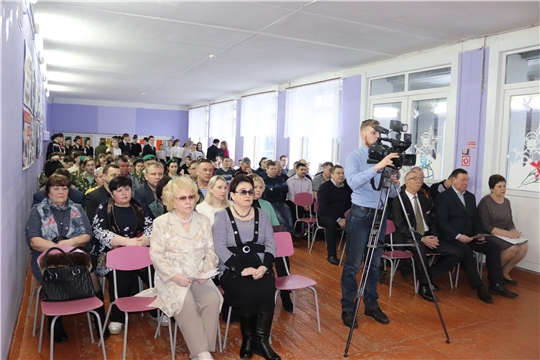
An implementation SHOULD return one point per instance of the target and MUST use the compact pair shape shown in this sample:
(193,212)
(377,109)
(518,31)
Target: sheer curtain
(198,124)
(222,123)
(258,125)
(312,122)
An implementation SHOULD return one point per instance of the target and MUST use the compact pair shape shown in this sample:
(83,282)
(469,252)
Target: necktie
(419,222)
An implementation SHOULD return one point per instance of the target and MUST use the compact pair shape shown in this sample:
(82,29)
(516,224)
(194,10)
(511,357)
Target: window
(198,125)
(258,125)
(222,124)
(523,67)
(388,85)
(429,79)
(312,121)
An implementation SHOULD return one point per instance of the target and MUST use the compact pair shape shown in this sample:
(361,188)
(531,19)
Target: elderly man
(459,223)
(205,171)
(123,164)
(321,178)
(245,167)
(334,201)
(146,194)
(417,209)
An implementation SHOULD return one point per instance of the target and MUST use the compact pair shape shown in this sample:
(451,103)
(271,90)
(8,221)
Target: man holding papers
(496,216)
(458,222)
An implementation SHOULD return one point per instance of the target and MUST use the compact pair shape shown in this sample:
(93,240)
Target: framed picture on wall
(28,80)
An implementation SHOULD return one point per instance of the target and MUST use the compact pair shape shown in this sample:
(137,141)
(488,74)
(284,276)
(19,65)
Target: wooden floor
(506,329)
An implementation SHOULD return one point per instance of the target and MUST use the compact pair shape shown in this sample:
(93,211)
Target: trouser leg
(330,227)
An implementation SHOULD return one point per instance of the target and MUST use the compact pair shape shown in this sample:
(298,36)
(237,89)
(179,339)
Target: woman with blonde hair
(182,252)
(187,151)
(216,198)
(113,148)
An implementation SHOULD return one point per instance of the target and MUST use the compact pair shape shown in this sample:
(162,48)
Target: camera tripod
(387,183)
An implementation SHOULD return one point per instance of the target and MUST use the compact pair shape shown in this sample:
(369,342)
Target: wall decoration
(28,96)
(29,152)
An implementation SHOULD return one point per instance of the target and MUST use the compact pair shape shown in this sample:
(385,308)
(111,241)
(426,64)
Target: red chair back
(303,199)
(284,244)
(390,227)
(128,258)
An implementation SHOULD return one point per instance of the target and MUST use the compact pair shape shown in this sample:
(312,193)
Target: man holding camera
(359,222)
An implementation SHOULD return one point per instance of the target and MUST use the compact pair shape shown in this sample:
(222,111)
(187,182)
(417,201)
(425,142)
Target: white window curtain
(312,122)
(258,125)
(198,122)
(222,120)
(314,109)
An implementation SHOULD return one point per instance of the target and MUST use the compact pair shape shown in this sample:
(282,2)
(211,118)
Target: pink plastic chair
(130,258)
(395,256)
(62,308)
(290,282)
(305,199)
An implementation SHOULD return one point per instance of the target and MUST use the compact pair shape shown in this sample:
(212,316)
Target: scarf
(49,226)
(137,211)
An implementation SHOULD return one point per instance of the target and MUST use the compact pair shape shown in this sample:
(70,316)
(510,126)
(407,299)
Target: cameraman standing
(359,222)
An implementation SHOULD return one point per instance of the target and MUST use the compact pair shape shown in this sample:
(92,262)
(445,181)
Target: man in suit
(213,150)
(458,222)
(417,209)
(136,148)
(101,194)
(125,145)
(149,149)
(74,195)
(146,194)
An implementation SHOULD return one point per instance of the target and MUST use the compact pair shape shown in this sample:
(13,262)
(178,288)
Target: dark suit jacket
(401,222)
(144,195)
(125,148)
(453,218)
(135,149)
(93,200)
(212,152)
(148,150)
(74,195)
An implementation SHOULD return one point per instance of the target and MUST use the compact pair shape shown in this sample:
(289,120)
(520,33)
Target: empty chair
(293,282)
(305,199)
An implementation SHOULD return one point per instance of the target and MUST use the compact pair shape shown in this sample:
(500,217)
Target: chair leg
(414,275)
(31,297)
(219,338)
(41,332)
(100,329)
(51,336)
(317,308)
(126,316)
(36,311)
(175,335)
(341,240)
(90,327)
(227,326)
(393,268)
(294,301)
(342,253)
(171,340)
(457,276)
(106,319)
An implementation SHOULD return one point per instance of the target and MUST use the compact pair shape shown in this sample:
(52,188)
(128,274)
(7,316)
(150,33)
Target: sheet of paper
(519,240)
(208,275)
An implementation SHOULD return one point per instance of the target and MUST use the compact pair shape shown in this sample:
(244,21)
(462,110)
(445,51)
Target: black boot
(262,347)
(101,312)
(286,300)
(247,325)
(60,335)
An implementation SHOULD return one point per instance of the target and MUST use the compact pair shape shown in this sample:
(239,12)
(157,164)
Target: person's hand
(342,223)
(387,161)
(248,271)
(259,272)
(143,241)
(395,179)
(132,242)
(465,239)
(66,242)
(181,280)
(431,241)
(514,234)
(306,208)
(202,281)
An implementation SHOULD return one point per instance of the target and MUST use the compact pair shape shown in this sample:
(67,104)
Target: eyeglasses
(184,198)
(416,178)
(244,192)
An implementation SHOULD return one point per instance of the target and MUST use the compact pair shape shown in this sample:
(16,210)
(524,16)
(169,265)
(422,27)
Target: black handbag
(68,278)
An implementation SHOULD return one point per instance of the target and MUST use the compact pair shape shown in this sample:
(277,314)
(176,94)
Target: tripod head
(386,181)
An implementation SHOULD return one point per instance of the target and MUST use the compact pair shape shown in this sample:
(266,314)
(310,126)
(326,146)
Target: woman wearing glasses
(182,252)
(244,243)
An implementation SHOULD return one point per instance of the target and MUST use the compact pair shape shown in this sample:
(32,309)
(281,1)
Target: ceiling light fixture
(212,56)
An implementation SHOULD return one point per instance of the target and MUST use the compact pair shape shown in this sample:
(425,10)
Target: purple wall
(350,116)
(282,143)
(117,120)
(239,143)
(471,113)
(16,185)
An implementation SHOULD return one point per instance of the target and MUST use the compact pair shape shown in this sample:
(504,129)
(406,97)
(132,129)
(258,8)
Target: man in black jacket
(458,222)
(421,219)
(146,194)
(275,193)
(136,148)
(149,149)
(334,199)
(213,150)
(125,145)
(102,193)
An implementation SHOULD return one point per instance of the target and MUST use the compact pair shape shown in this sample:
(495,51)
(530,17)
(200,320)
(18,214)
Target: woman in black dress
(244,243)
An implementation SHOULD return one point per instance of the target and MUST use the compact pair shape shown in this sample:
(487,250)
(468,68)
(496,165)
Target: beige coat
(173,251)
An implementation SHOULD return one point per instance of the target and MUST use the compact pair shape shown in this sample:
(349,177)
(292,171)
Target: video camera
(379,151)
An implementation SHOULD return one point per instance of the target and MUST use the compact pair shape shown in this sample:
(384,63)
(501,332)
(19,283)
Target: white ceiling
(116,51)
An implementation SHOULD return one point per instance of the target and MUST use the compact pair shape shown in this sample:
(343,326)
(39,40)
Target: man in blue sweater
(334,200)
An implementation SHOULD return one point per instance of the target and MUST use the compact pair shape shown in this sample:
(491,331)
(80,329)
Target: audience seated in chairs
(56,167)
(296,184)
(216,198)
(146,194)
(101,194)
(275,193)
(321,178)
